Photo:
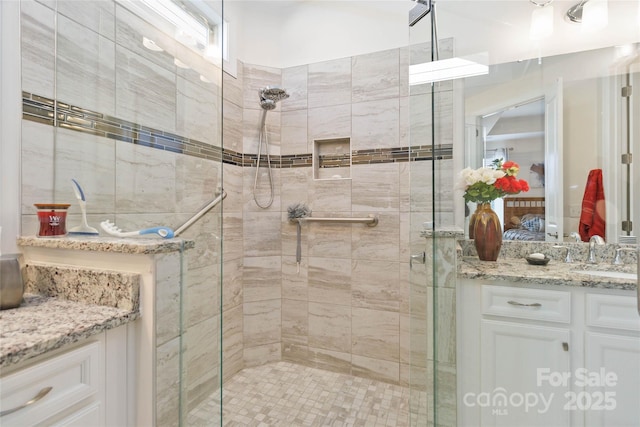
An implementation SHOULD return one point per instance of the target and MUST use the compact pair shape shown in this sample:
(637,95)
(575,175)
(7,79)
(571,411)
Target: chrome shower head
(267,104)
(274,93)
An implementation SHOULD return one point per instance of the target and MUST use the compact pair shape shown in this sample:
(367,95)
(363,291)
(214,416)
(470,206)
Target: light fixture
(595,15)
(447,69)
(541,20)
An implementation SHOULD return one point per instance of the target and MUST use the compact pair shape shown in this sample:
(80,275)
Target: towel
(592,218)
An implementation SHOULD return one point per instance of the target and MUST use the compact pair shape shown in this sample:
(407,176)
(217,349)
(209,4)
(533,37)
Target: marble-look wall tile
(405,338)
(198,112)
(145,92)
(329,360)
(262,323)
(198,181)
(330,280)
(382,370)
(375,334)
(167,383)
(294,80)
(376,243)
(262,278)
(37,172)
(330,196)
(262,189)
(375,285)
(445,331)
(98,15)
(376,187)
(294,133)
(130,30)
(295,353)
(232,126)
(329,122)
(376,75)
(232,286)
(202,296)
(167,310)
(330,327)
(37,42)
(262,354)
(90,160)
(332,240)
(254,78)
(233,92)
(262,234)
(329,83)
(420,107)
(232,235)
(232,341)
(233,185)
(85,68)
(201,360)
(295,322)
(145,180)
(295,279)
(253,132)
(376,124)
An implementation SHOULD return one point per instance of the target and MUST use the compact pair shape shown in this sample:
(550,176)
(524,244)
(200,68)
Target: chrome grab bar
(371,220)
(200,213)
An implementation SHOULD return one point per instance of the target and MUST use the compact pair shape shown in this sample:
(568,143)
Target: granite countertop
(132,245)
(45,323)
(518,270)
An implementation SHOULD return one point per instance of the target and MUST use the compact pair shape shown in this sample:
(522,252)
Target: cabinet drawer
(73,376)
(613,311)
(525,303)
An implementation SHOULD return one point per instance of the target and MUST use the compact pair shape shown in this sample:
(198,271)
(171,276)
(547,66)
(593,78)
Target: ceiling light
(446,69)
(541,21)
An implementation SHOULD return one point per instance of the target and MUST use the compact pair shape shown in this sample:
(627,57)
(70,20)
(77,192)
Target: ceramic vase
(487,233)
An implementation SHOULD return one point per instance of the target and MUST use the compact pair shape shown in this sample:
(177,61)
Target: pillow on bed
(532,222)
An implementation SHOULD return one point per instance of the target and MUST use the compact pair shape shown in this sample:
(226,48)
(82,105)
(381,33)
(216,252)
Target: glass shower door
(431,234)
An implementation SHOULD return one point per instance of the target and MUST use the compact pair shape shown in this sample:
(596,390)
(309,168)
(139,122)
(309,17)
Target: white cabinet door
(613,362)
(520,371)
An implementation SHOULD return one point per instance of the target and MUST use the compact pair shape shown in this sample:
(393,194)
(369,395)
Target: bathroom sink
(610,274)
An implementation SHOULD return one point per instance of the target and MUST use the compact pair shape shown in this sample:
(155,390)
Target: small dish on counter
(538,261)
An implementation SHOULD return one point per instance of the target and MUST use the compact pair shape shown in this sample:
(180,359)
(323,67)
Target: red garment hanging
(592,218)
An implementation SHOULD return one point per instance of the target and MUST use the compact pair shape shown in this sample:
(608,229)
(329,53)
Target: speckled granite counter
(133,245)
(43,323)
(518,270)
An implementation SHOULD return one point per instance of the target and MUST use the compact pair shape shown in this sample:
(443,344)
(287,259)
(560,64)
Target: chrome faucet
(593,241)
(617,260)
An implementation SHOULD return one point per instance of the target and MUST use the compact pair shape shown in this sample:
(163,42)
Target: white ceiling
(284,33)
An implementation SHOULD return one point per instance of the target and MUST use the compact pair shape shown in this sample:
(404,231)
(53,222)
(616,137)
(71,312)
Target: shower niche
(332,158)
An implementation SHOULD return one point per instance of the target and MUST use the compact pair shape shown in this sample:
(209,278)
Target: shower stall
(268,320)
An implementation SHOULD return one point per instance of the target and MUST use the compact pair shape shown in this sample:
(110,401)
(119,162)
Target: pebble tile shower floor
(284,394)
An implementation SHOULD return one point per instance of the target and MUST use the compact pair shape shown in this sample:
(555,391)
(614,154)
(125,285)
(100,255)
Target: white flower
(468,176)
(490,175)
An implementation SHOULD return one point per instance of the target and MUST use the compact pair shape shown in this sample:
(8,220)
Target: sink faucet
(593,241)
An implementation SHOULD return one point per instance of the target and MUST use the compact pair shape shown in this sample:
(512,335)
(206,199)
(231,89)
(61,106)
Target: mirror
(505,117)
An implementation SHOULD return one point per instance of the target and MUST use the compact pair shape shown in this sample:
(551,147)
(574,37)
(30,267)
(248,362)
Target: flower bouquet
(482,186)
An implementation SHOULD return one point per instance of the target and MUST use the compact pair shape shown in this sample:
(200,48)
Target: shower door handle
(420,258)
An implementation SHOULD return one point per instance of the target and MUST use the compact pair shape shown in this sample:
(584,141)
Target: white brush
(84,228)
(111,228)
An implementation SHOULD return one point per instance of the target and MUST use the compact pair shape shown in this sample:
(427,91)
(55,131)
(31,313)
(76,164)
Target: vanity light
(445,69)
(541,20)
(595,15)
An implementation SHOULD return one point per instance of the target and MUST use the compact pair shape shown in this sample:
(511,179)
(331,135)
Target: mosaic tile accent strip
(287,394)
(55,113)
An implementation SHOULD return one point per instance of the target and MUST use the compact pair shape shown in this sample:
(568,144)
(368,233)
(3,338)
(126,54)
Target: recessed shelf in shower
(332,158)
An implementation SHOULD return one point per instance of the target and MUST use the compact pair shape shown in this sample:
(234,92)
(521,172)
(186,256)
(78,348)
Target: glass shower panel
(432,236)
(138,124)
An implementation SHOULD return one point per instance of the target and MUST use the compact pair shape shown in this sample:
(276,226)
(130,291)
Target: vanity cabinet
(84,384)
(547,355)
